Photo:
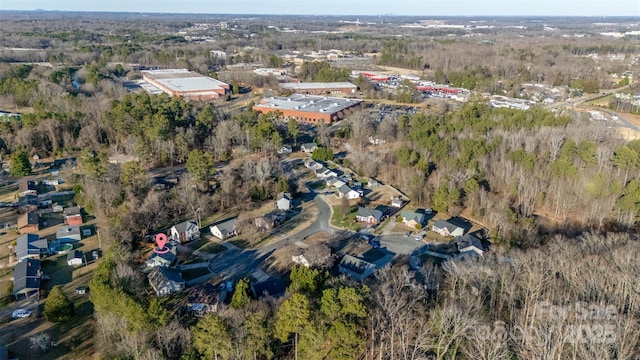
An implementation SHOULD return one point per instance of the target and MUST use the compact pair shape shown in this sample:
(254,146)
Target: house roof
(468,240)
(413,215)
(72,211)
(185,226)
(366,212)
(443,224)
(64,231)
(309,145)
(27,186)
(76,254)
(356,265)
(26,275)
(28,219)
(283,195)
(345,189)
(273,287)
(169,256)
(204,294)
(29,244)
(27,200)
(226,227)
(160,275)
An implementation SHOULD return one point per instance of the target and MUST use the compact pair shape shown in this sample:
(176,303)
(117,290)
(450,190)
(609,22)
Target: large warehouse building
(308,108)
(185,83)
(320,88)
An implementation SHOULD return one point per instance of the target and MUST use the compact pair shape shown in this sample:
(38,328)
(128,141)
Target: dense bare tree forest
(559,192)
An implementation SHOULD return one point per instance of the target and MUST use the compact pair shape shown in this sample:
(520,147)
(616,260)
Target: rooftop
(308,103)
(183,80)
(318,85)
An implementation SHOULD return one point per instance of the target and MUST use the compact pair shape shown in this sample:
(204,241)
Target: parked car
(407,234)
(20,313)
(419,237)
(374,244)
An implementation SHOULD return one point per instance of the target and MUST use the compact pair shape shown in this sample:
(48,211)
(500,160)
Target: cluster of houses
(166,277)
(30,247)
(335,181)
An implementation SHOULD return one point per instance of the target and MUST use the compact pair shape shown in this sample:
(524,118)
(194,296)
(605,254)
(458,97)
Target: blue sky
(346,7)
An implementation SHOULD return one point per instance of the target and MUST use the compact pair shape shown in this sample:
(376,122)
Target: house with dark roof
(446,228)
(204,298)
(28,203)
(369,216)
(225,229)
(75,257)
(414,219)
(185,231)
(27,188)
(470,245)
(31,246)
(26,279)
(273,287)
(308,147)
(356,268)
(349,193)
(28,223)
(166,281)
(269,221)
(73,216)
(165,259)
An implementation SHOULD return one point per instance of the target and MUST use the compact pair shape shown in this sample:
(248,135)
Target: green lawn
(348,221)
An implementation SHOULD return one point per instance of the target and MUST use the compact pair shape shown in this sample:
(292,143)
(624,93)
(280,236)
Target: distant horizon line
(311,15)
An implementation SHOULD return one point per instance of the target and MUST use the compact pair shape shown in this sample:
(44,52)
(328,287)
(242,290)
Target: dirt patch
(628,134)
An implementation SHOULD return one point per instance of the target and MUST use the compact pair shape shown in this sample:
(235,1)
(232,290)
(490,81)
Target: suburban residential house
(68,234)
(225,229)
(31,246)
(308,147)
(75,257)
(446,228)
(470,245)
(312,164)
(369,216)
(73,216)
(397,202)
(185,231)
(28,203)
(28,223)
(165,281)
(356,268)
(27,188)
(204,298)
(273,287)
(349,193)
(26,279)
(283,201)
(325,173)
(334,182)
(167,259)
(414,219)
(269,221)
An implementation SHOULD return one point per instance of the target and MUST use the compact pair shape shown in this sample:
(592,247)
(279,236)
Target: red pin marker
(161,241)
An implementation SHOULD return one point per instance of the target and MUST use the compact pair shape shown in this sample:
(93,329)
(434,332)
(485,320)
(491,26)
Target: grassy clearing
(211,248)
(348,221)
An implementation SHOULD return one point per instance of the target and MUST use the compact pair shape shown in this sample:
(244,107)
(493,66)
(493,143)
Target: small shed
(75,258)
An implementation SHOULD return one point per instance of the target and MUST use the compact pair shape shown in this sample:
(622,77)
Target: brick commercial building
(185,83)
(320,88)
(307,108)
